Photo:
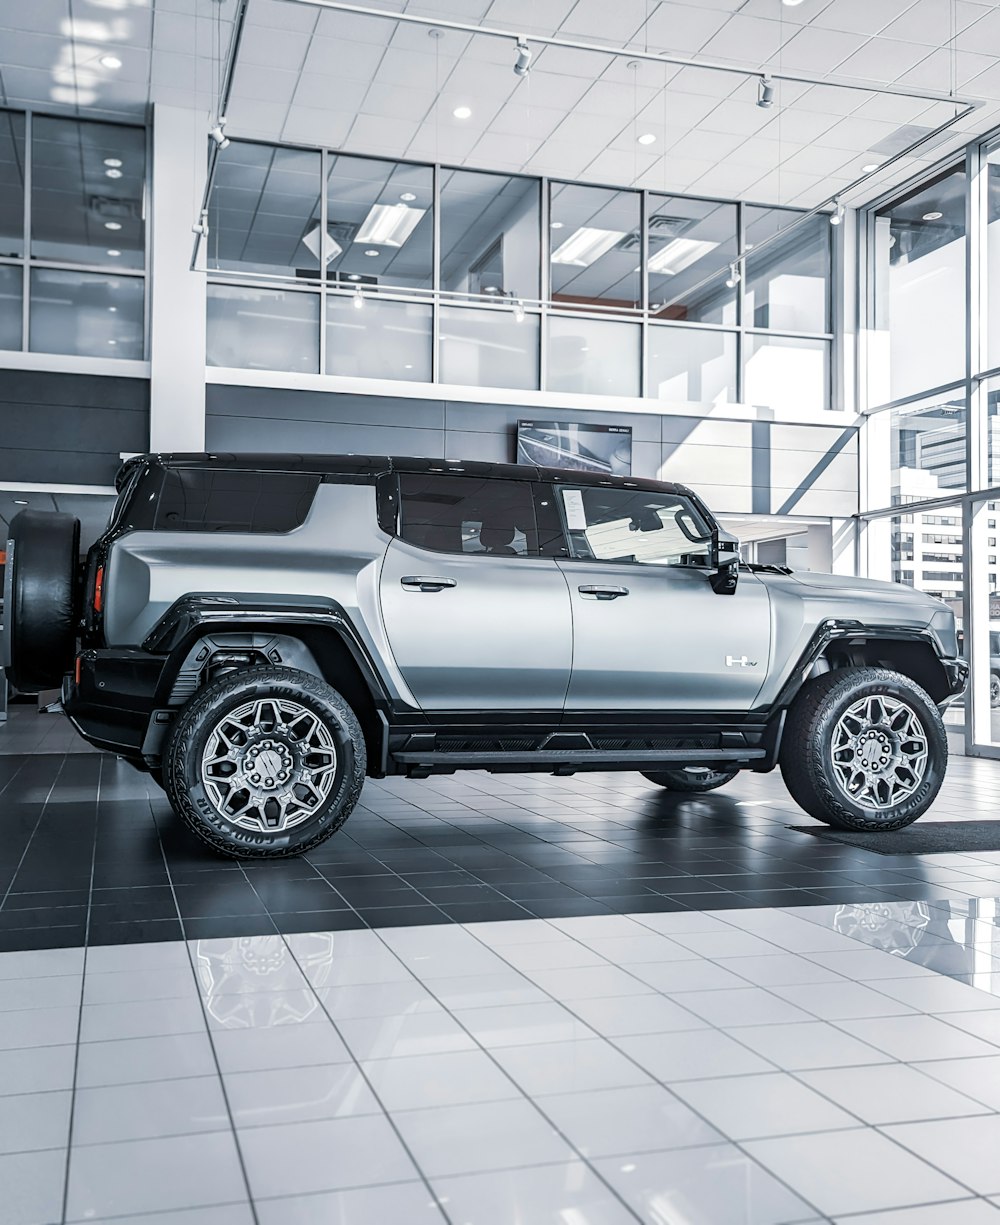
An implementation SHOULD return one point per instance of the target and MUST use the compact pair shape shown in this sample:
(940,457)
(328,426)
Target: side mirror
(724,556)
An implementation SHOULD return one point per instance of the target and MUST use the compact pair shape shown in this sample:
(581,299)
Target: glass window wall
(489,235)
(488,348)
(786,372)
(11,184)
(594,356)
(376,338)
(11,289)
(689,242)
(917,338)
(993,254)
(263,329)
(594,247)
(695,364)
(85,314)
(788,282)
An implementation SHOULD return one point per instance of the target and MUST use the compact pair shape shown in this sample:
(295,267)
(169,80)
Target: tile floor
(490,1001)
(92,853)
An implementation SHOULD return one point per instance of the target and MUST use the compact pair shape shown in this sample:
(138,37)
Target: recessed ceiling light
(408,366)
(647,138)
(113,310)
(933,216)
(20,501)
(112,342)
(462,112)
(490,289)
(110,61)
(791,3)
(113,252)
(586,245)
(389,225)
(371,251)
(354,276)
(869,167)
(113,173)
(112,225)
(113,162)
(556,225)
(407,196)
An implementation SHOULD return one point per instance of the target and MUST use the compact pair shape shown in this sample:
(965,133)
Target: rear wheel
(40,607)
(265,762)
(864,749)
(995,689)
(691,778)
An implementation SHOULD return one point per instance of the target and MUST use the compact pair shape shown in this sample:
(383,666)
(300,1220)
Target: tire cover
(40,615)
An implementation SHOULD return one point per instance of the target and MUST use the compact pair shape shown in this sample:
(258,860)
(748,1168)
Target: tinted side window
(220,500)
(464,514)
(632,525)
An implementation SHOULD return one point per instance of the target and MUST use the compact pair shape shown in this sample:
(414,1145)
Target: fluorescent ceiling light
(586,245)
(389,225)
(679,254)
(311,241)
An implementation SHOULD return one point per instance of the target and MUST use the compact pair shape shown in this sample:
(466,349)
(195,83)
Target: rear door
(649,632)
(475,617)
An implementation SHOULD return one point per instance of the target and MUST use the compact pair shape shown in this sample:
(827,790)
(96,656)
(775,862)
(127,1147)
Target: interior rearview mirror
(724,556)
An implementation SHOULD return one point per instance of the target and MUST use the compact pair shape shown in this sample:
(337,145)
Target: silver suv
(260,632)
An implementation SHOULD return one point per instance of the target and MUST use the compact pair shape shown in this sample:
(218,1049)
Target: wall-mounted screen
(582,447)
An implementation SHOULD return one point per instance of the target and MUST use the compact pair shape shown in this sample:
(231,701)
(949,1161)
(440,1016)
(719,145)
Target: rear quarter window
(220,500)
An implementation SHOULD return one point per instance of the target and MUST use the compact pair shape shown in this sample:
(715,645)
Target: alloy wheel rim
(879,752)
(269,765)
(995,689)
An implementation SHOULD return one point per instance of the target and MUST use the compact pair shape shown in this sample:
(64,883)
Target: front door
(476,619)
(649,633)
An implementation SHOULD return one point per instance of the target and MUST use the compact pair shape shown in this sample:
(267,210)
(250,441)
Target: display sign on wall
(583,447)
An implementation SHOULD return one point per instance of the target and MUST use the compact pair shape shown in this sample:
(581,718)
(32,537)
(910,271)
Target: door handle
(594,591)
(426,582)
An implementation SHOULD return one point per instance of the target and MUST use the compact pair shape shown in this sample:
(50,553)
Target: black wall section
(738,466)
(69,428)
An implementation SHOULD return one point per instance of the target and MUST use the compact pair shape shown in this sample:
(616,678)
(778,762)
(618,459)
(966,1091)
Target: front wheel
(691,778)
(995,689)
(265,762)
(864,749)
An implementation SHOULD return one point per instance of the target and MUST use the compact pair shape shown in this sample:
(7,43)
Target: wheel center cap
(268,765)
(270,762)
(874,750)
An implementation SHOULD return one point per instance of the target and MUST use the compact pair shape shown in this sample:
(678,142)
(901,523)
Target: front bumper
(111,698)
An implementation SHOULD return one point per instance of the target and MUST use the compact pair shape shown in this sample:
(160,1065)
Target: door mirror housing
(724,557)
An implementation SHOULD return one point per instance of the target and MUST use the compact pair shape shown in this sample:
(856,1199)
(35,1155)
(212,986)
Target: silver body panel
(500,639)
(513,633)
(669,644)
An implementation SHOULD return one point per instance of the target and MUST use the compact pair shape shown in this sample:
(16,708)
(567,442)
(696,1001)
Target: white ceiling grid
(371,85)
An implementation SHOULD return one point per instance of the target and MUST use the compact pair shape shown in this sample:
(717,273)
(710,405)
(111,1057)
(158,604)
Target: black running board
(568,761)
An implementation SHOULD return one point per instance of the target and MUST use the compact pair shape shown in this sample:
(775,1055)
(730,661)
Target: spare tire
(40,584)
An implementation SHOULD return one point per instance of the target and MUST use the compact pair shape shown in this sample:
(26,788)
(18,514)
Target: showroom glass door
(983,631)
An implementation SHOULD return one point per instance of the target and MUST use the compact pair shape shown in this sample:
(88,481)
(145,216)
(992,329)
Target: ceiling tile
(392,101)
(529,16)
(714,145)
(935,71)
(351,27)
(681,27)
(496,149)
(615,166)
(515,119)
(930,21)
(320,91)
(607,98)
(738,117)
(273,48)
(859,16)
(567,61)
(819,51)
(308,125)
(261,120)
(279,15)
(610,23)
(265,84)
(44,16)
(983,34)
(748,39)
(590,131)
(379,134)
(702,81)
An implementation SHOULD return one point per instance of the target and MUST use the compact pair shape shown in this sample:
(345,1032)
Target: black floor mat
(921,838)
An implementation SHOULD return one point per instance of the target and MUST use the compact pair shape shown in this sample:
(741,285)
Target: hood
(846,596)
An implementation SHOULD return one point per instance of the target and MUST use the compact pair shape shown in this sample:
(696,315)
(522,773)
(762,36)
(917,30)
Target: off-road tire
(806,760)
(682,779)
(199,720)
(40,598)
(994,690)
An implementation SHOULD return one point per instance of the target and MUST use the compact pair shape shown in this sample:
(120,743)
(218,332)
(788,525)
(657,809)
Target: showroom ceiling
(375,85)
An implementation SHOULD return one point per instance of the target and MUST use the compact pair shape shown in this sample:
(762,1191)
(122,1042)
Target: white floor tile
(486,990)
(869,965)
(852,1171)
(782,969)
(130,958)
(416,1034)
(38,1027)
(588,982)
(742,1006)
(263,1009)
(376,1000)
(569,1067)
(390,1205)
(34,1121)
(911,1038)
(474,1138)
(149,1110)
(221,1214)
(638,1119)
(42,963)
(733,943)
(298,1158)
(141,1019)
(962,1212)
(32,1187)
(298,1095)
(935,993)
(132,1060)
(985,1025)
(693,974)
(842,1001)
(771,1104)
(645,1014)
(170,982)
(891,1093)
(639,950)
(552,955)
(964,1148)
(145,1176)
(692,1055)
(37,1069)
(283,1046)
(53,992)
(522,1025)
(450,1079)
(812,1044)
(704,1186)
(567,1192)
(679,921)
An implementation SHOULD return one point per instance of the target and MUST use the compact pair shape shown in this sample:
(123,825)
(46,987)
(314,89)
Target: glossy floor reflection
(92,854)
(741,1067)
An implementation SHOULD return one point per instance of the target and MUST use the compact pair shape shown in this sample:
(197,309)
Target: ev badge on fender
(742,662)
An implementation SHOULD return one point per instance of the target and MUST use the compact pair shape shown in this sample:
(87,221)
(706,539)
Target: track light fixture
(765,92)
(357,298)
(217,133)
(201,225)
(838,216)
(735,276)
(522,57)
(519,311)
